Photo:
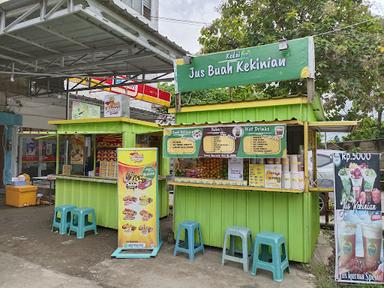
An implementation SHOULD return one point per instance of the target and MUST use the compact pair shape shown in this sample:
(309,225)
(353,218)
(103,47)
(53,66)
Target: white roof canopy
(64,38)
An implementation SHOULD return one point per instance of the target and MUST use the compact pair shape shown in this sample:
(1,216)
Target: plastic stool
(62,223)
(279,260)
(189,246)
(245,235)
(80,222)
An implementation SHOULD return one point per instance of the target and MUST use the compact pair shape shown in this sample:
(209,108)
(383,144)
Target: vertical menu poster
(358,224)
(138,217)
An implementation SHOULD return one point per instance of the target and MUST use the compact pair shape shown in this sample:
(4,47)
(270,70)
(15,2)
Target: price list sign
(230,141)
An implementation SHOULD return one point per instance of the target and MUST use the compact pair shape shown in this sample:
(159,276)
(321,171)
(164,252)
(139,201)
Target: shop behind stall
(246,164)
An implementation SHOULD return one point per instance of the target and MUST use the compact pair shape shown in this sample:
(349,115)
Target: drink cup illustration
(279,131)
(372,245)
(345,180)
(369,176)
(376,196)
(347,243)
(357,182)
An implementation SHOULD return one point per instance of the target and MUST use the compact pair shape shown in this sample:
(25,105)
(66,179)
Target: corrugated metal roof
(91,37)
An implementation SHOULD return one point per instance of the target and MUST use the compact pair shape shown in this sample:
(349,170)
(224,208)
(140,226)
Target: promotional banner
(239,141)
(260,64)
(77,143)
(81,110)
(358,224)
(138,218)
(257,175)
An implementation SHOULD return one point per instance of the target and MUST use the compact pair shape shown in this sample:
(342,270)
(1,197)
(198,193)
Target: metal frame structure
(74,38)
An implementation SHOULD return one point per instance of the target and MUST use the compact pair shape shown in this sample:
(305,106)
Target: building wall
(9,144)
(135,7)
(36,114)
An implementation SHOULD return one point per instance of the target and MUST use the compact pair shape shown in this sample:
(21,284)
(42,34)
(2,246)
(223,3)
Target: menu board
(230,141)
(235,169)
(273,175)
(358,224)
(138,224)
(256,175)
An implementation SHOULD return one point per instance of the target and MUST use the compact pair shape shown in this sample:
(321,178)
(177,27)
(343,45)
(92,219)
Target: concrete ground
(33,256)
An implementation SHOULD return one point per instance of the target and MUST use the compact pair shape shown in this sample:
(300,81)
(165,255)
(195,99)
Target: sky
(186,34)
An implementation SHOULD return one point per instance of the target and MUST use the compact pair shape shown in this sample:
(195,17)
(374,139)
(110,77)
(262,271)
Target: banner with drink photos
(358,224)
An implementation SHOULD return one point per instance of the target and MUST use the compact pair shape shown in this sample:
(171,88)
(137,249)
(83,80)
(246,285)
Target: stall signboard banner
(138,217)
(81,110)
(358,224)
(233,141)
(259,64)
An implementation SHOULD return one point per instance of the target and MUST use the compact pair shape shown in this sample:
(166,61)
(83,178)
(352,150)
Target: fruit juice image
(376,196)
(356,192)
(347,243)
(279,131)
(372,245)
(345,180)
(369,176)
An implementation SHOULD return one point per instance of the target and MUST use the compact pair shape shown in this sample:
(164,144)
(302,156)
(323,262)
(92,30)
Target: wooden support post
(178,102)
(314,156)
(306,147)
(310,89)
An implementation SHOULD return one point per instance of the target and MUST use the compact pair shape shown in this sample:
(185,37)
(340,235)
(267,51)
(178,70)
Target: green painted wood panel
(290,214)
(302,112)
(100,196)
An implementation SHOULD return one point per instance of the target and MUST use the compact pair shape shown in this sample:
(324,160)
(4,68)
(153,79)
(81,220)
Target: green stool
(62,218)
(276,261)
(189,247)
(80,222)
(245,235)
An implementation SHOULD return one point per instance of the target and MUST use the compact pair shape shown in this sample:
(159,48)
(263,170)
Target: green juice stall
(286,202)
(86,162)
(249,163)
(218,204)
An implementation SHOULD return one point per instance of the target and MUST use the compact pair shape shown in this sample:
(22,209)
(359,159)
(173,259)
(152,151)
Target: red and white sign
(142,92)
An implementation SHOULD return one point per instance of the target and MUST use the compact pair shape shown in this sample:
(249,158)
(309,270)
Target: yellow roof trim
(288,122)
(241,105)
(46,137)
(104,120)
(334,126)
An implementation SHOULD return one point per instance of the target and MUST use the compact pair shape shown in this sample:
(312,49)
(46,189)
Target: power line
(342,28)
(167,19)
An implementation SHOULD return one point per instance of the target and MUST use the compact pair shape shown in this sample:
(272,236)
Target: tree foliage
(349,61)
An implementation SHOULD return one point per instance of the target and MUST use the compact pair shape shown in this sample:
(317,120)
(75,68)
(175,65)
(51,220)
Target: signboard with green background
(260,64)
(232,141)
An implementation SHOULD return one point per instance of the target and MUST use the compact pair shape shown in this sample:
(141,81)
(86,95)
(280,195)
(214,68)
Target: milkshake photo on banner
(358,224)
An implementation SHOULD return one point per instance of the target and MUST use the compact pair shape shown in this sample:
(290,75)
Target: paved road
(16,272)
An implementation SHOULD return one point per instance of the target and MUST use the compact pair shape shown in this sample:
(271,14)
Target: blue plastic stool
(62,223)
(189,246)
(80,222)
(277,261)
(245,235)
